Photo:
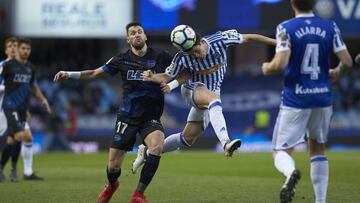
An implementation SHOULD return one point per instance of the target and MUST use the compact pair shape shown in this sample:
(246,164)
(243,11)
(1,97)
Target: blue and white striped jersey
(310,39)
(2,85)
(211,70)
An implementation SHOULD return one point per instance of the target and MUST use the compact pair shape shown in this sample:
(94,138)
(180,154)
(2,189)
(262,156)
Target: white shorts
(196,114)
(292,124)
(3,124)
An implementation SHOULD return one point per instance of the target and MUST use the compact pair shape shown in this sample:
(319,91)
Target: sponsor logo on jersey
(134,75)
(316,90)
(117,137)
(22,78)
(151,63)
(209,70)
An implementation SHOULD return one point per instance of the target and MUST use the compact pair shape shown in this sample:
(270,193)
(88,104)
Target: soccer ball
(183,37)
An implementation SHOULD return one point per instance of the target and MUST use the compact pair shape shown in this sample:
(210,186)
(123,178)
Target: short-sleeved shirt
(18,78)
(141,100)
(211,70)
(311,39)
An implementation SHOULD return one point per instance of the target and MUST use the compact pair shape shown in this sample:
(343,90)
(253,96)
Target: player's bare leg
(173,142)
(113,171)
(319,170)
(154,141)
(206,98)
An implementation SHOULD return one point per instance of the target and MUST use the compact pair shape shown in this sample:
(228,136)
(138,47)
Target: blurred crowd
(347,100)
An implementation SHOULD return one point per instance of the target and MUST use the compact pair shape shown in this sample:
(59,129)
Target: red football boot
(107,193)
(139,197)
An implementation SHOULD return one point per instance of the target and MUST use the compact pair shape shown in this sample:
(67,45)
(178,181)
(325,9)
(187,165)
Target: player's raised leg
(204,97)
(289,130)
(154,141)
(173,142)
(285,164)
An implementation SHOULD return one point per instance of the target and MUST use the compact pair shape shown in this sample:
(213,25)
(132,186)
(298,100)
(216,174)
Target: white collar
(302,15)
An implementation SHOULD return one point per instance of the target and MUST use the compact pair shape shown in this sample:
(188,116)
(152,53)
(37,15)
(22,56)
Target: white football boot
(140,158)
(231,146)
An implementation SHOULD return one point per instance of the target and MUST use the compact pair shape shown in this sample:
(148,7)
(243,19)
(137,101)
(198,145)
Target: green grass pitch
(186,177)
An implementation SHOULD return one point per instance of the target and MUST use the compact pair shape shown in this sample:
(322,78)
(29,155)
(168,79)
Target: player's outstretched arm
(259,38)
(179,80)
(278,64)
(39,95)
(80,75)
(157,77)
(345,65)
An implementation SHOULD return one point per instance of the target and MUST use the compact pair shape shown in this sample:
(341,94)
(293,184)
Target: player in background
(11,45)
(140,111)
(302,51)
(207,62)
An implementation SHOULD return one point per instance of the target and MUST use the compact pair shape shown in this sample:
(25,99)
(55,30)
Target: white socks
(28,158)
(319,172)
(174,142)
(217,120)
(284,163)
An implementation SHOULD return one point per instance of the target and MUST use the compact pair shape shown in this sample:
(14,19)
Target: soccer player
(11,46)
(207,62)
(303,47)
(140,111)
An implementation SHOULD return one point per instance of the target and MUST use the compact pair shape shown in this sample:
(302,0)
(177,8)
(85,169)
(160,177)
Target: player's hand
(46,105)
(165,88)
(264,68)
(334,74)
(357,59)
(61,75)
(147,75)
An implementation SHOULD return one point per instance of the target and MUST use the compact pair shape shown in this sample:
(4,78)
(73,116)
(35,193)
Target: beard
(139,46)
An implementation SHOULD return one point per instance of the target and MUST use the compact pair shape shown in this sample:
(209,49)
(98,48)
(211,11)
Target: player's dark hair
(131,25)
(10,39)
(197,42)
(304,5)
(24,41)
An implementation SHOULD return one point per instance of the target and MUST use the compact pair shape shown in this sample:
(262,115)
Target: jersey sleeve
(33,78)
(283,42)
(338,43)
(231,37)
(111,66)
(176,66)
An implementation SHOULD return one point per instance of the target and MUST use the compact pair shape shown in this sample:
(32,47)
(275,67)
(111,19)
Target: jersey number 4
(134,75)
(310,62)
